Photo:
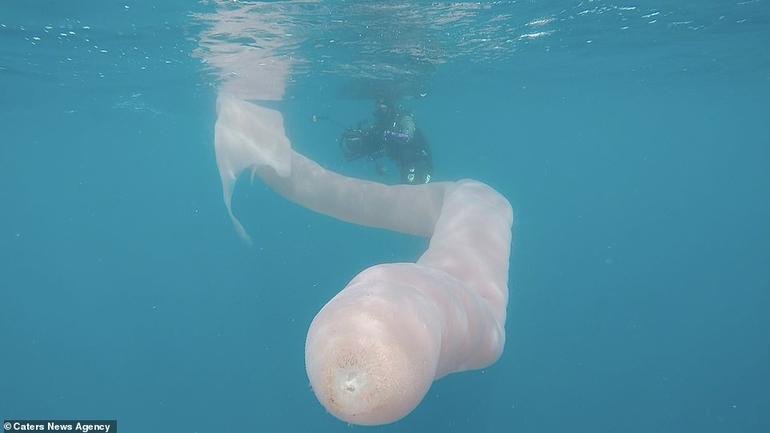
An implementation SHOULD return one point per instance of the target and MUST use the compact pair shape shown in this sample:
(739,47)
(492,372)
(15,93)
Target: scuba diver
(393,135)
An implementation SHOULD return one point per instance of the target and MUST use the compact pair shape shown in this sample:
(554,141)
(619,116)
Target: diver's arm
(359,143)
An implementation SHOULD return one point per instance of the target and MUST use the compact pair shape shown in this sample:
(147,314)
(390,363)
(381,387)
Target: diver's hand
(354,144)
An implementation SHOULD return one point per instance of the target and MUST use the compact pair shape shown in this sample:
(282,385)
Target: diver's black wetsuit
(413,158)
(410,151)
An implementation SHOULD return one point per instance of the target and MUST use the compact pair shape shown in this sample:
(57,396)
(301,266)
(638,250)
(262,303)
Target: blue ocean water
(632,139)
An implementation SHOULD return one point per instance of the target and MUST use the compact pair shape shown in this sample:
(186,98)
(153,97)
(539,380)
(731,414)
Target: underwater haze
(632,139)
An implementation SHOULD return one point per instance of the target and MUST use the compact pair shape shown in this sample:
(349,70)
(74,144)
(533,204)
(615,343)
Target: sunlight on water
(406,41)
